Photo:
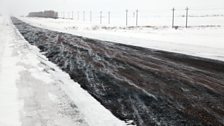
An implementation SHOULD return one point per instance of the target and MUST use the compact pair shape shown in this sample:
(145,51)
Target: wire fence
(174,18)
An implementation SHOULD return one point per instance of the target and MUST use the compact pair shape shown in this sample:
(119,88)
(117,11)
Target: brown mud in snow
(148,86)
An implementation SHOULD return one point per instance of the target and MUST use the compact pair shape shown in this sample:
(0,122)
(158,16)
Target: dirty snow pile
(34,91)
(199,41)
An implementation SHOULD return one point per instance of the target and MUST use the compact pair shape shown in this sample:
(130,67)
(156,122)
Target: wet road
(148,86)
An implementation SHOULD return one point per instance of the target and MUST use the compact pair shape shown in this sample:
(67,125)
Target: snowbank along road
(148,86)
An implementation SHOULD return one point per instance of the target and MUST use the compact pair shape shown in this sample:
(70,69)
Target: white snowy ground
(35,92)
(207,42)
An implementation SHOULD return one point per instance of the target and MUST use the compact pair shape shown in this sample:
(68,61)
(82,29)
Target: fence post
(109,17)
(173,17)
(101,13)
(137,17)
(126,17)
(187,17)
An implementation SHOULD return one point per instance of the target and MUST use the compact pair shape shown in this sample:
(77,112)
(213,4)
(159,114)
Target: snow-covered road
(204,42)
(148,86)
(35,92)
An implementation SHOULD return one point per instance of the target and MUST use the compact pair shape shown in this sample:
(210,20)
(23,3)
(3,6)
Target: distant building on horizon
(44,14)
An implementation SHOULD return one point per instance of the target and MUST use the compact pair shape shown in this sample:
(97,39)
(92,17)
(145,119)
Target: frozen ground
(35,92)
(199,41)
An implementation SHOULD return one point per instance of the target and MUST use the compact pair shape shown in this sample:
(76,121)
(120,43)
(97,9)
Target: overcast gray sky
(22,7)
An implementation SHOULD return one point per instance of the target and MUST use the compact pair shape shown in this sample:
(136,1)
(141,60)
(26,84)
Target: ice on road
(35,92)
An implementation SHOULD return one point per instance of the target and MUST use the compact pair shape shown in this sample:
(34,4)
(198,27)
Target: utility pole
(126,17)
(84,16)
(101,16)
(137,17)
(63,15)
(187,17)
(90,16)
(72,15)
(109,17)
(78,15)
(173,17)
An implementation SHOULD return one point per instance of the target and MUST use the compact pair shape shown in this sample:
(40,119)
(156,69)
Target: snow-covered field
(147,17)
(199,41)
(34,91)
